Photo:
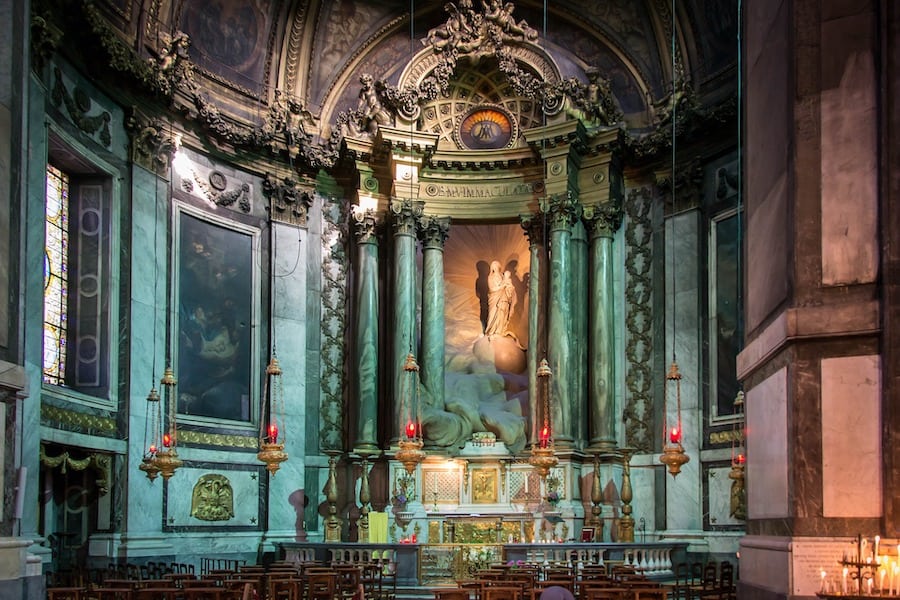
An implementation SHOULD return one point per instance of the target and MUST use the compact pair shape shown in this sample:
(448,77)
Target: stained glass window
(56,283)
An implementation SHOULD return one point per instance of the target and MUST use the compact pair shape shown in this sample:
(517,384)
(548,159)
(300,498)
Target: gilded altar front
(447,563)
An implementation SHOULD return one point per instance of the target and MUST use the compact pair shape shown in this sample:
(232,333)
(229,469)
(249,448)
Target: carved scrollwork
(152,144)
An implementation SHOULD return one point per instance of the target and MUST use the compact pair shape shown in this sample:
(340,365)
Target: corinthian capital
(434,231)
(603,220)
(406,215)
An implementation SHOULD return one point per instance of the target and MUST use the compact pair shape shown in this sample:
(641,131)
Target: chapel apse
(486,381)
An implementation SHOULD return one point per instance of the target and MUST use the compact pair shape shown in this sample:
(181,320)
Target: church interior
(446,286)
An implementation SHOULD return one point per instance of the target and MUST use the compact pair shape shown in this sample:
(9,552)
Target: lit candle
(167,440)
(675,435)
(822,586)
(875,551)
(881,574)
(869,586)
(410,430)
(273,433)
(844,581)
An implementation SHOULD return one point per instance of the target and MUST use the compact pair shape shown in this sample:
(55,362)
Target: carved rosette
(434,232)
(603,220)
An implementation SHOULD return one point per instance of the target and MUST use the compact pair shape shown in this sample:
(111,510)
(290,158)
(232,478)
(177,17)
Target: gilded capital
(366,225)
(562,210)
(603,220)
(406,215)
(534,226)
(434,231)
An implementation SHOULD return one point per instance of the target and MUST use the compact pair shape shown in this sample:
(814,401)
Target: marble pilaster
(684,505)
(149,230)
(563,211)
(434,233)
(289,323)
(366,332)
(602,222)
(405,217)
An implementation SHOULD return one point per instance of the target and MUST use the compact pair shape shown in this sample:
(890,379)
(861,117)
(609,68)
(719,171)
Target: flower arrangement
(553,498)
(400,498)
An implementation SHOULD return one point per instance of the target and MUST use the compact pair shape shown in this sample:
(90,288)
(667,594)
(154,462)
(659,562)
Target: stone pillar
(602,222)
(405,216)
(366,331)
(562,212)
(535,228)
(433,233)
(578,372)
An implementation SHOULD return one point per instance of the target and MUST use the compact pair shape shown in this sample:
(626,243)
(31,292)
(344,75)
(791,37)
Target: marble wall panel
(851,436)
(849,158)
(767,448)
(768,108)
(765,563)
(245,492)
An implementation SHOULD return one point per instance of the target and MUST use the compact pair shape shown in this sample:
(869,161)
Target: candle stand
(860,575)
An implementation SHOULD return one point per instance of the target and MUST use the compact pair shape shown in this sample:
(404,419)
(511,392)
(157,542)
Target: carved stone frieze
(638,410)
(188,436)
(70,420)
(77,105)
(288,203)
(212,498)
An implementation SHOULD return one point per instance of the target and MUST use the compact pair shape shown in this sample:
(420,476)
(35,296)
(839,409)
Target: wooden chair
(451,594)
(501,592)
(65,593)
(321,586)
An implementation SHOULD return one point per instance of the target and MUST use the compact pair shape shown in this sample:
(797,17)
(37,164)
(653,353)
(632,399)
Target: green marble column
(578,372)
(366,331)
(535,228)
(563,210)
(433,233)
(405,216)
(602,222)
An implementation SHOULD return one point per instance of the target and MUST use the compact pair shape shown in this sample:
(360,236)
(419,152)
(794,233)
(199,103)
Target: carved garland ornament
(101,463)
(638,412)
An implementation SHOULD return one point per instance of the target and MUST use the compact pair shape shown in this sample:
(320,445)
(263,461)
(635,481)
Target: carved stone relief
(212,498)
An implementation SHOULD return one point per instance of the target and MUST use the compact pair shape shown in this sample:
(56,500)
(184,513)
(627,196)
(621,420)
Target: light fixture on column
(736,475)
(167,457)
(410,453)
(271,419)
(543,453)
(673,455)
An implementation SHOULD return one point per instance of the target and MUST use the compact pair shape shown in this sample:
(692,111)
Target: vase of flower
(552,499)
